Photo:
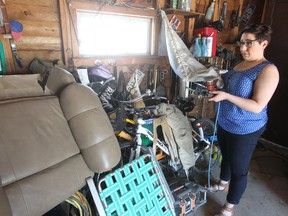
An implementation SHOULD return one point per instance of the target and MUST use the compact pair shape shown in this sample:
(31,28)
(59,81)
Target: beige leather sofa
(50,141)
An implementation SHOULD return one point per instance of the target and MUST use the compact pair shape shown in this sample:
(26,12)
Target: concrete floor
(267,190)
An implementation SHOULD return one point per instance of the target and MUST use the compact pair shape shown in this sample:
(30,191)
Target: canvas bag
(38,66)
(177,132)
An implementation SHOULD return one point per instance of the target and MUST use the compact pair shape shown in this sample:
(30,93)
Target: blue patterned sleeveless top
(232,118)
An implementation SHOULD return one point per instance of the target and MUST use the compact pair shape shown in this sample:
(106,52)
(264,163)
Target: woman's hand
(218,96)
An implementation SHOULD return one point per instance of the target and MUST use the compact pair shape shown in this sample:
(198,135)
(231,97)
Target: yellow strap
(125,135)
(130,121)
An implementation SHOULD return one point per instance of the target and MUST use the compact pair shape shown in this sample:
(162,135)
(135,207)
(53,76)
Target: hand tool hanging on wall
(219,24)
(224,11)
(234,18)
(15,53)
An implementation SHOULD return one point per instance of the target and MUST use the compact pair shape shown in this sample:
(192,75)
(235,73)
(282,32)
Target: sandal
(218,187)
(226,211)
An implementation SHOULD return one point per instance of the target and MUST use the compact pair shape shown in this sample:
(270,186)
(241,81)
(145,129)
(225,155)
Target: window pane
(102,34)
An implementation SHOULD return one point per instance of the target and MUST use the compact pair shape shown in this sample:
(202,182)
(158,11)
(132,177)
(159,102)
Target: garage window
(108,34)
(93,30)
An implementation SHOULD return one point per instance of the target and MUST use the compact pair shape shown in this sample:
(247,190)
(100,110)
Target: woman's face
(251,48)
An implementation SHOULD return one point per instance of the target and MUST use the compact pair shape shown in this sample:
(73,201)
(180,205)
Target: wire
(75,204)
(80,202)
(138,8)
(211,147)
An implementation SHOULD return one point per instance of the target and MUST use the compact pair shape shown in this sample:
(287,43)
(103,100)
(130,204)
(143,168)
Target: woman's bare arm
(264,88)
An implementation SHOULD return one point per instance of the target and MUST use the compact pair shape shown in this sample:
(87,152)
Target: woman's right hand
(218,96)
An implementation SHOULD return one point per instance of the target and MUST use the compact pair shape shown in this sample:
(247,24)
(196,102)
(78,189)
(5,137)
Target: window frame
(68,13)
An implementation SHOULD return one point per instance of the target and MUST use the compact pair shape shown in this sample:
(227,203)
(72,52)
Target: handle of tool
(224,10)
(19,62)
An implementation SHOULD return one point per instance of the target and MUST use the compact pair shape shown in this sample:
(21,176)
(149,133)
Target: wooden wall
(42,34)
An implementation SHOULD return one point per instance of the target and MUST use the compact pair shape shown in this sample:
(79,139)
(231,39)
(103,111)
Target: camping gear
(177,134)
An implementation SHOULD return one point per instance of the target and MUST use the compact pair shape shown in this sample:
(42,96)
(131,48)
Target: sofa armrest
(91,127)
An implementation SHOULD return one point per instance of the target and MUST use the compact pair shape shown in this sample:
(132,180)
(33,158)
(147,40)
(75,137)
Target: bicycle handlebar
(154,96)
(136,99)
(141,110)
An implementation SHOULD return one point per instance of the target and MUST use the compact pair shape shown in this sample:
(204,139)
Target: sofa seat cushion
(44,190)
(34,135)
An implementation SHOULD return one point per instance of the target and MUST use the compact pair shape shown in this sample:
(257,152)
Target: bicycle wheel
(205,128)
(202,159)
(206,124)
(127,148)
(128,152)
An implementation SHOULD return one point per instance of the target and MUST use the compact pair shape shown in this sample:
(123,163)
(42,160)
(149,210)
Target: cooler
(208,32)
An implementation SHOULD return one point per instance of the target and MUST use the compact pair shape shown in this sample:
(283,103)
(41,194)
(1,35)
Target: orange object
(210,86)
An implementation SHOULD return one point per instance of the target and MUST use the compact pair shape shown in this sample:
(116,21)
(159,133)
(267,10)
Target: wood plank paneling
(38,43)
(44,29)
(33,13)
(41,30)
(47,3)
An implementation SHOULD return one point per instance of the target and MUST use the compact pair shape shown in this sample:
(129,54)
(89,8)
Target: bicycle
(125,126)
(202,133)
(188,195)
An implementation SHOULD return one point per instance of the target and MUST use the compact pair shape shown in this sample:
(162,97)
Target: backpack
(177,132)
(38,66)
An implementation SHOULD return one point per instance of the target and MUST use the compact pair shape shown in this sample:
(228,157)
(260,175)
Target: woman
(248,88)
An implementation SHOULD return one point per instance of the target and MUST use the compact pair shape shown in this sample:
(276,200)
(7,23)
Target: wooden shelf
(183,13)
(188,18)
